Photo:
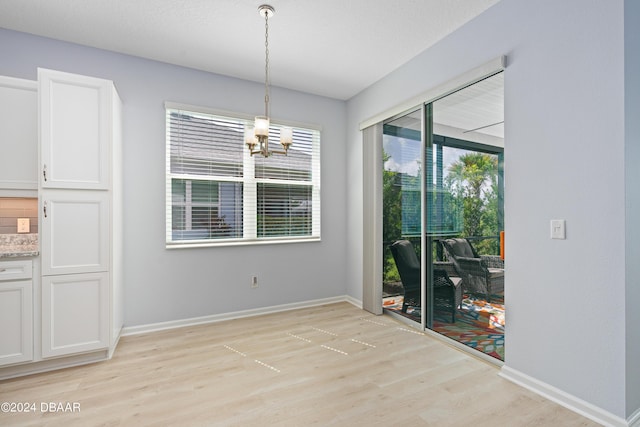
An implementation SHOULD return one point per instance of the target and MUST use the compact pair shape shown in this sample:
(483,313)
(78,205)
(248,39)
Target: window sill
(212,244)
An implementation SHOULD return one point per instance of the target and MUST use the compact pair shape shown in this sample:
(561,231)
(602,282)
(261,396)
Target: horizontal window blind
(217,192)
(205,145)
(284,210)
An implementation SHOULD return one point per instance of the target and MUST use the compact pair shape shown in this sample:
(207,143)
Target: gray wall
(632,178)
(564,159)
(164,285)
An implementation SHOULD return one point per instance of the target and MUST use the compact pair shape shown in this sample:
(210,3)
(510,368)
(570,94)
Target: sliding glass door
(443,197)
(402,215)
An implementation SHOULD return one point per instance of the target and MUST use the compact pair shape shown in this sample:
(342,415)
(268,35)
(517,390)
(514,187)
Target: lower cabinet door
(16,322)
(75,313)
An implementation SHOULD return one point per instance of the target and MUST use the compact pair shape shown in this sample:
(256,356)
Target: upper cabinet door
(18,135)
(75,130)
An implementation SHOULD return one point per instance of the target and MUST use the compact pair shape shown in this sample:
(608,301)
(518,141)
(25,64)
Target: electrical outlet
(254,281)
(24,225)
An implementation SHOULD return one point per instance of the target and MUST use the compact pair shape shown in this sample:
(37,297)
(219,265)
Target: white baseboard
(153,327)
(565,399)
(52,364)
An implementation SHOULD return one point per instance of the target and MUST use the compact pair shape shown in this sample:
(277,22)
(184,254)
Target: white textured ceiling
(334,48)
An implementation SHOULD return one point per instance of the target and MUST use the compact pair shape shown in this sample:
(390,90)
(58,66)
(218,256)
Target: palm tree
(473,178)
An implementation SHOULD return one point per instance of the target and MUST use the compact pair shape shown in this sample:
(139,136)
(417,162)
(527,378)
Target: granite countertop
(18,245)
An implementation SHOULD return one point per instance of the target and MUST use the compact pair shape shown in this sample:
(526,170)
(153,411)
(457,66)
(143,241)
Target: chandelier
(257,138)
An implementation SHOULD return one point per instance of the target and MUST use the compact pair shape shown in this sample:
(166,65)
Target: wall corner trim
(634,419)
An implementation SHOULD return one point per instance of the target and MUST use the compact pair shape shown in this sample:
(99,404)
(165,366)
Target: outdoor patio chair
(447,293)
(480,274)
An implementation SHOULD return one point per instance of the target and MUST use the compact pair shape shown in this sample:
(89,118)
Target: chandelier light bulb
(286,136)
(262,126)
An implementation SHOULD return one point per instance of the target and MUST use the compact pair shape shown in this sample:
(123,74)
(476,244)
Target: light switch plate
(24,225)
(558,229)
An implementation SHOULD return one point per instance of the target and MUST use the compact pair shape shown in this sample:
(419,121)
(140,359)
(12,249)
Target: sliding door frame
(372,219)
(426,241)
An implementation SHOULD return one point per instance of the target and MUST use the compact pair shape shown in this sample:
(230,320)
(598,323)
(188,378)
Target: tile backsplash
(13,208)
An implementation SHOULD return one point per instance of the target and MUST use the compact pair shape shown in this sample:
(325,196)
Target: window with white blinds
(218,193)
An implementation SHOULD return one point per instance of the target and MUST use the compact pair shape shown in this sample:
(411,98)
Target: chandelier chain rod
(266,65)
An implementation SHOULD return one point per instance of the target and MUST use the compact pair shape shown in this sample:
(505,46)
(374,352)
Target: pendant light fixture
(257,138)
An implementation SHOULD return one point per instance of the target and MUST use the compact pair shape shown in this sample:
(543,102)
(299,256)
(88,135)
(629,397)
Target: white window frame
(250,184)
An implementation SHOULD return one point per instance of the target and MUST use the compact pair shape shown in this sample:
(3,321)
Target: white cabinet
(75,232)
(18,136)
(75,130)
(16,312)
(75,316)
(80,216)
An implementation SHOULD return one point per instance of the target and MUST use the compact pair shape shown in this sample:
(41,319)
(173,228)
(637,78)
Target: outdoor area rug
(479,324)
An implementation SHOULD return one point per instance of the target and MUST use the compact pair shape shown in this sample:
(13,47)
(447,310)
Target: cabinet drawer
(15,270)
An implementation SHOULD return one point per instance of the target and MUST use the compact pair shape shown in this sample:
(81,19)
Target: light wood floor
(332,365)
